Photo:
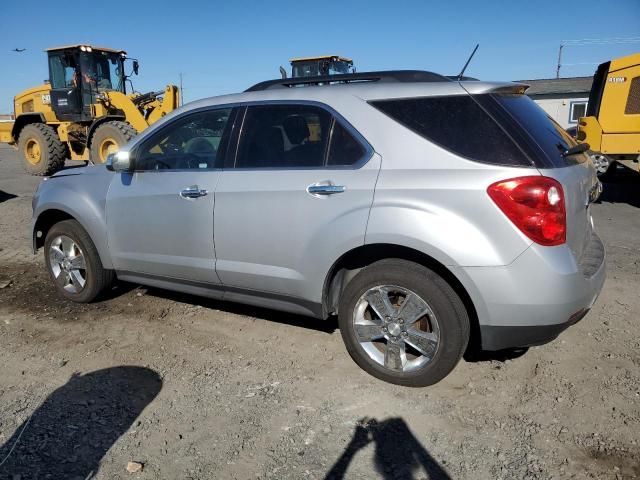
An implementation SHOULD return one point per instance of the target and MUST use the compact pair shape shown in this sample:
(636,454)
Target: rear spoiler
(477,88)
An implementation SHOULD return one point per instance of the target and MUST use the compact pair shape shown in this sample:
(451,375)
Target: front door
(160,217)
(297,197)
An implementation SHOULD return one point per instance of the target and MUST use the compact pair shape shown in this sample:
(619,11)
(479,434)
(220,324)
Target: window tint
(458,124)
(546,140)
(193,142)
(284,136)
(345,149)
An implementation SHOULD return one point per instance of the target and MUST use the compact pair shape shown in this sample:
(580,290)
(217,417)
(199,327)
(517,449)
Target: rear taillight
(535,205)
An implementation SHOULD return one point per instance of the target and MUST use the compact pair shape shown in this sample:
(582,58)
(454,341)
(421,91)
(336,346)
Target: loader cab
(78,74)
(321,66)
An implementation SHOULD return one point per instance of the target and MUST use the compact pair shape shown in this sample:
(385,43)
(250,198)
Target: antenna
(461,74)
(181,91)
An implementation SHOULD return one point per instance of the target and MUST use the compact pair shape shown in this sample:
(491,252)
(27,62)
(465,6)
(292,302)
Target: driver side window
(197,141)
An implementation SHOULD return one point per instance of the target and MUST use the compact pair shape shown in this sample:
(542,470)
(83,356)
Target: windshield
(340,67)
(321,67)
(102,71)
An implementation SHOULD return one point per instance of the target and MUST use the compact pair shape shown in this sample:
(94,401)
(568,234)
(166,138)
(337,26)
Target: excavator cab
(78,73)
(321,66)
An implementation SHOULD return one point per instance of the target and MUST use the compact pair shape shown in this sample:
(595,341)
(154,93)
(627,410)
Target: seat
(304,153)
(203,149)
(266,149)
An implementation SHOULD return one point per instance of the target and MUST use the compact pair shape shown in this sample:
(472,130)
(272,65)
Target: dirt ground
(195,389)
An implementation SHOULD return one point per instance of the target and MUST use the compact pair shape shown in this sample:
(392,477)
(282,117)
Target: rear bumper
(532,300)
(502,337)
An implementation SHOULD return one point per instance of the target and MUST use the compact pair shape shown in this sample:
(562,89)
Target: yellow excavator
(612,124)
(85,111)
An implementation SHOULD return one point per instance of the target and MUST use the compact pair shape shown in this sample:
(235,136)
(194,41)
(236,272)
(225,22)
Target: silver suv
(429,215)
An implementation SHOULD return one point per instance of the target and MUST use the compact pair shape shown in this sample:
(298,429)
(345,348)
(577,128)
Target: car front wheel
(73,263)
(403,323)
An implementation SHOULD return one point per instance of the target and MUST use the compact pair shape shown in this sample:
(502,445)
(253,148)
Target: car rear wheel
(403,323)
(73,263)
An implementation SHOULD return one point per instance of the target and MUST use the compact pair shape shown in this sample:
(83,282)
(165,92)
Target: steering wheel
(161,165)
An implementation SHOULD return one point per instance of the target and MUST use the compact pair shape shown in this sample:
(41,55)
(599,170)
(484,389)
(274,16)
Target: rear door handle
(325,189)
(194,191)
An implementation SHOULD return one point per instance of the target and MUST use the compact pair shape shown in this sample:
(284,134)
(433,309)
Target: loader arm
(170,101)
(119,101)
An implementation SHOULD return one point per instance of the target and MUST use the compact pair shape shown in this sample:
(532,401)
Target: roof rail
(391,76)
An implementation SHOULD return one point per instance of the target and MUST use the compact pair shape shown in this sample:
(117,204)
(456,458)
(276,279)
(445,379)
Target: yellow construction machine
(319,66)
(612,125)
(85,111)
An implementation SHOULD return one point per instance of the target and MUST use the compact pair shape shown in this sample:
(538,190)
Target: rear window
(499,129)
(458,124)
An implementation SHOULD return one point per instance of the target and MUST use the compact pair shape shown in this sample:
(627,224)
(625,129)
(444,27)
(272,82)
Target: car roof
(366,91)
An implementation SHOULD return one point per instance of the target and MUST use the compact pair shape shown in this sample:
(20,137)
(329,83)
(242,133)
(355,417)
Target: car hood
(86,170)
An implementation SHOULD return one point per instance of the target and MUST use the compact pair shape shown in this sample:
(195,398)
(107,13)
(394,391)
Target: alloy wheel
(396,328)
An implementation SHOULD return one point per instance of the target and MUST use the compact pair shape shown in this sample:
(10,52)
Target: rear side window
(458,124)
(284,136)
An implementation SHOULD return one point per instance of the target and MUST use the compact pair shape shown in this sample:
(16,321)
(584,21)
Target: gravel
(190,388)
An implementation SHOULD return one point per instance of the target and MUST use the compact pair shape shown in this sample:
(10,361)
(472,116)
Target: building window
(577,110)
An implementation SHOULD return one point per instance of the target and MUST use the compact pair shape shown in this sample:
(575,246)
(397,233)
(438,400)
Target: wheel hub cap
(67,264)
(396,328)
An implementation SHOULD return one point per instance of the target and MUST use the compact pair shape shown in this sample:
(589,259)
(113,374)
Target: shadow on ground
(69,433)
(621,185)
(398,453)
(326,326)
(4,196)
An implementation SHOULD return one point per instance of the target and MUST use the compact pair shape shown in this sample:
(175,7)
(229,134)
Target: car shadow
(4,196)
(73,428)
(329,325)
(477,356)
(398,453)
(621,185)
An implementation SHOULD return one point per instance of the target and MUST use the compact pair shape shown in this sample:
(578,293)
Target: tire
(96,277)
(41,150)
(447,321)
(108,138)
(602,164)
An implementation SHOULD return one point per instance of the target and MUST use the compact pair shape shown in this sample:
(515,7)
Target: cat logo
(617,79)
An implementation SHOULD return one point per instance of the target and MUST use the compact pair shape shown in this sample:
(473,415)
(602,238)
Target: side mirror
(119,162)
(136,66)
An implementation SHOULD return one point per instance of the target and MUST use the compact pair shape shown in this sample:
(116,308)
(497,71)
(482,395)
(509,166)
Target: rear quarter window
(543,139)
(458,124)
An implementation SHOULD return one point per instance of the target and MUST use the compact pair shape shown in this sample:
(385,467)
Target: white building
(564,99)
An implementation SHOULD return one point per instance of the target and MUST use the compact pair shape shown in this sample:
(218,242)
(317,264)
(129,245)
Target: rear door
(297,196)
(160,217)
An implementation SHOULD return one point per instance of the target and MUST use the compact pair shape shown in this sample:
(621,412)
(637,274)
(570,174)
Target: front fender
(81,197)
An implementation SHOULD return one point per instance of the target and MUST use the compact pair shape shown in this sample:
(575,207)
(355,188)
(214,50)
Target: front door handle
(319,189)
(194,191)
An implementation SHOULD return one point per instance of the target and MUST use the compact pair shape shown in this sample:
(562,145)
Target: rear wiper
(579,148)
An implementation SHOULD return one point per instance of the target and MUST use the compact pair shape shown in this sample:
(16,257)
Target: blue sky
(223,47)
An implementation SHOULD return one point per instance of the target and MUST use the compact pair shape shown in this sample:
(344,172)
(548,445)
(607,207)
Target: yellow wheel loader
(612,125)
(84,112)
(319,66)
